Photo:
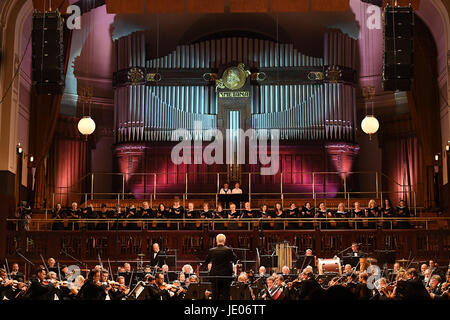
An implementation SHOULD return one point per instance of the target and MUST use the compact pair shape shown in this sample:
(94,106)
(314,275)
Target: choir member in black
(247,213)
(115,214)
(292,213)
(279,214)
(341,214)
(102,214)
(161,213)
(265,215)
(57,214)
(131,213)
(176,211)
(357,212)
(205,215)
(233,214)
(74,213)
(40,289)
(307,212)
(323,213)
(145,211)
(403,212)
(219,214)
(190,214)
(372,211)
(90,213)
(93,288)
(387,212)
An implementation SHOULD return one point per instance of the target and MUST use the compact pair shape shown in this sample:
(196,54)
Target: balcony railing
(260,224)
(315,181)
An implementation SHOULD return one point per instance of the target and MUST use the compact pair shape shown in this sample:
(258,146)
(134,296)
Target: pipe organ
(306,98)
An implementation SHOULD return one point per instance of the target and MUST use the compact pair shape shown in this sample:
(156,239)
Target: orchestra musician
(156,259)
(40,289)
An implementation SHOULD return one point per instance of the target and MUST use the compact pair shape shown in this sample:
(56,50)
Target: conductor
(221,272)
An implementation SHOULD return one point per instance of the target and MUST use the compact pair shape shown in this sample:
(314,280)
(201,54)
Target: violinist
(40,289)
(16,274)
(435,288)
(119,289)
(93,288)
(6,286)
(362,292)
(308,285)
(414,288)
(385,292)
(158,290)
(266,294)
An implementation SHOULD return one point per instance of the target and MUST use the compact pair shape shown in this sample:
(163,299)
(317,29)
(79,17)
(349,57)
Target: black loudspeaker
(48,53)
(398,66)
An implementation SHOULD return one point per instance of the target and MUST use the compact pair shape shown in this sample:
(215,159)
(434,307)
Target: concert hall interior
(202,149)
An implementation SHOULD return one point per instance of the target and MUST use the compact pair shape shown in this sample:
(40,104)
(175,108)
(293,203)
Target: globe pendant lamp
(86,126)
(370,125)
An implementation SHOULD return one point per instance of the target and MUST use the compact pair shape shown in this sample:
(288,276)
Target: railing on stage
(317,183)
(142,224)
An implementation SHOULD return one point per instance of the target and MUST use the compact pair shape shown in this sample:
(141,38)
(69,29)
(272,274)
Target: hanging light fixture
(86,126)
(370,125)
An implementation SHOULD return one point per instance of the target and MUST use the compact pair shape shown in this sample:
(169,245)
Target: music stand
(351,260)
(170,260)
(386,256)
(304,261)
(196,291)
(269,261)
(240,291)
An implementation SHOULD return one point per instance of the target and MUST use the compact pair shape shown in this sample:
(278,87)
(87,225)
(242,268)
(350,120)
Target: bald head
(220,239)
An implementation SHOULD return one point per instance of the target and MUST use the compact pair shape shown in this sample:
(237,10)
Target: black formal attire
(403,212)
(292,213)
(91,291)
(221,272)
(58,214)
(41,291)
(307,288)
(157,259)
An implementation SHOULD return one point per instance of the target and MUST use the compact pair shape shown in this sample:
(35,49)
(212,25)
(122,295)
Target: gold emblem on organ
(233,78)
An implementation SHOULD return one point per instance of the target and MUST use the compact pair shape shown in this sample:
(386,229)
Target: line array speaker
(48,53)
(398,66)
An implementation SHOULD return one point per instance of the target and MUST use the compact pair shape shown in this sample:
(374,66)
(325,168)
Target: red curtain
(68,162)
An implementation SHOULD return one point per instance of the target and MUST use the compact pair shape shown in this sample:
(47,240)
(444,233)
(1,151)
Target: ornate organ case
(310,100)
